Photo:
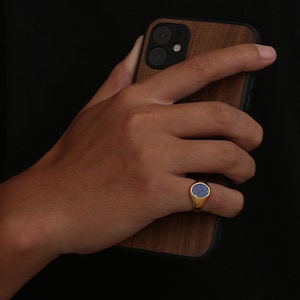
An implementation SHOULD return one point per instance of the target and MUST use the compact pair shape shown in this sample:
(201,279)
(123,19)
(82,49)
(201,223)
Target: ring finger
(222,201)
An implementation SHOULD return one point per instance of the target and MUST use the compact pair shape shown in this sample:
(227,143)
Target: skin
(84,195)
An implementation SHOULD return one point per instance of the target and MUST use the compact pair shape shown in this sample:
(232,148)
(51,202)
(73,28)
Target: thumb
(121,76)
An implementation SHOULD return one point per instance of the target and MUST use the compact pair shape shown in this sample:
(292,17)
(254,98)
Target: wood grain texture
(194,234)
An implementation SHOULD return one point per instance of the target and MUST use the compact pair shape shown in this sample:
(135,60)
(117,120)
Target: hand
(122,162)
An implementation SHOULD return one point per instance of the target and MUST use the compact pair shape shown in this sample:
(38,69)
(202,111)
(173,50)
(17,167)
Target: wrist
(27,233)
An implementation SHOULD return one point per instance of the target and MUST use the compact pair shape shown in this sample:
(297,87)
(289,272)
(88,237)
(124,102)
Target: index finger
(187,77)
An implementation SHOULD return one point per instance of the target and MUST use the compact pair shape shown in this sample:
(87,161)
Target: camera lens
(162,35)
(157,56)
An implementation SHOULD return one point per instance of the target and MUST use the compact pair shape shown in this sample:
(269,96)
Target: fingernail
(137,45)
(267,52)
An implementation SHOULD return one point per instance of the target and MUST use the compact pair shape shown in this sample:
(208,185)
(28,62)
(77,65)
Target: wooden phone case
(193,234)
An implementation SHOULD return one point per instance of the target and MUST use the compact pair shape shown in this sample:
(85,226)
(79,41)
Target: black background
(55,55)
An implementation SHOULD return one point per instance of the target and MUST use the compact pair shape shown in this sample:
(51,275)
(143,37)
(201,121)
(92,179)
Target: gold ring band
(199,192)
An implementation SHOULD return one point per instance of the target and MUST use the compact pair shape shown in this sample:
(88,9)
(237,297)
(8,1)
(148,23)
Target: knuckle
(223,114)
(142,157)
(234,162)
(120,73)
(132,122)
(247,53)
(198,63)
(138,118)
(126,94)
(229,154)
(133,116)
(139,139)
(137,121)
(245,50)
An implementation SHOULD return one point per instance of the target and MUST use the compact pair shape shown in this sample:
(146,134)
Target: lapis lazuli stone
(200,190)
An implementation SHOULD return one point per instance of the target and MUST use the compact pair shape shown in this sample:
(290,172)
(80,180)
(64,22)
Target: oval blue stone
(200,190)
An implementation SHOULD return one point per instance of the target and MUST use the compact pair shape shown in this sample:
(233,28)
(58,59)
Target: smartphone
(168,41)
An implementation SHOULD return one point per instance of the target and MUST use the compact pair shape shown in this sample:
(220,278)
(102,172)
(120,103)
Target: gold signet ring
(199,192)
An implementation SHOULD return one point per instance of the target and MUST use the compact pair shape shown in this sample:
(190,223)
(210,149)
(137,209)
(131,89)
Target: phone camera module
(168,45)
(162,35)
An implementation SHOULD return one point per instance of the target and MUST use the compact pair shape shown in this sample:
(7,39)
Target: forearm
(25,247)
(17,267)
